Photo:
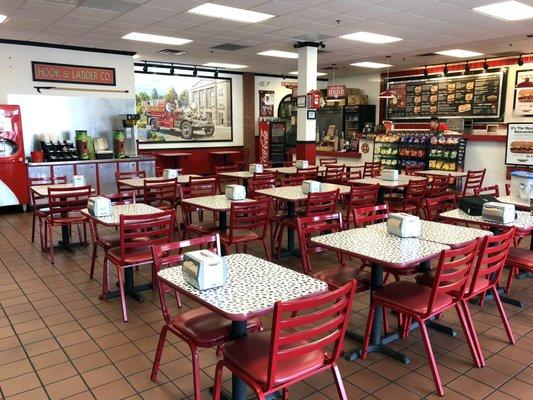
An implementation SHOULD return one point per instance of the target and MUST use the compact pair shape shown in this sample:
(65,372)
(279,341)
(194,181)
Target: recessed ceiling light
(231,13)
(224,65)
(369,37)
(317,74)
(278,53)
(146,37)
(2,18)
(459,53)
(136,56)
(370,64)
(508,10)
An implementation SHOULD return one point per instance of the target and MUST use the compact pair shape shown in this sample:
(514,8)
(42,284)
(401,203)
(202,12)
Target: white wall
(368,83)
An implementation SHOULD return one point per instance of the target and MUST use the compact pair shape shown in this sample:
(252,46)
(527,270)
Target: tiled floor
(58,340)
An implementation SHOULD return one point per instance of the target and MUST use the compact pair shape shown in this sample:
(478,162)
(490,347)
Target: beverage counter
(100,174)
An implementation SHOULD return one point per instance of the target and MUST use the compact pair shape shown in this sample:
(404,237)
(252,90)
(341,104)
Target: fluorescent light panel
(508,10)
(459,53)
(278,53)
(146,37)
(230,13)
(369,37)
(2,18)
(317,74)
(370,64)
(224,65)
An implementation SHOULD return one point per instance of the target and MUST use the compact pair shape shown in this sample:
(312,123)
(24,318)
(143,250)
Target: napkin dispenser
(204,269)
(78,180)
(170,173)
(235,192)
(404,225)
(256,168)
(299,164)
(99,206)
(310,186)
(501,213)
(389,175)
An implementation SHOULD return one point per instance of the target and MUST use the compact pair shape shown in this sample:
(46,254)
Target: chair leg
(51,243)
(469,333)
(218,381)
(267,253)
(431,357)
(512,271)
(105,278)
(120,274)
(93,261)
(33,228)
(196,373)
(159,352)
(338,382)
(369,322)
(279,240)
(386,326)
(285,394)
(503,316)
(475,339)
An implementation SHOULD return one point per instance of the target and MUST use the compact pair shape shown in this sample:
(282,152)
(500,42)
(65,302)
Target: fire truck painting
(183,108)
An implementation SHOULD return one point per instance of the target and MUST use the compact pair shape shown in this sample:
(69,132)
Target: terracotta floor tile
(167,391)
(33,394)
(66,388)
(116,390)
(100,376)
(367,380)
(49,359)
(473,389)
(519,389)
(90,362)
(21,383)
(56,373)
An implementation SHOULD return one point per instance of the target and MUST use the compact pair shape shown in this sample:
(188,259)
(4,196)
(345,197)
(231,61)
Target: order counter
(100,174)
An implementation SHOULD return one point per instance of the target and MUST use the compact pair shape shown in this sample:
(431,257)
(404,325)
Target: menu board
(464,96)
(519,144)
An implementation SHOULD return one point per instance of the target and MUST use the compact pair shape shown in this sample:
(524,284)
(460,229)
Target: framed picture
(519,147)
(301,101)
(311,114)
(523,97)
(266,103)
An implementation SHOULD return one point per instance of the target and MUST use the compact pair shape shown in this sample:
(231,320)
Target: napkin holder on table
(255,168)
(235,192)
(78,180)
(299,164)
(310,186)
(404,225)
(100,206)
(390,175)
(204,270)
(170,173)
(501,213)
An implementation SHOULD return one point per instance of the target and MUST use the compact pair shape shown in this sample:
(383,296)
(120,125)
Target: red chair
(438,186)
(294,180)
(121,175)
(474,180)
(434,206)
(421,303)
(295,349)
(324,161)
(202,186)
(109,241)
(508,189)
(364,216)
(334,174)
(264,175)
(199,327)
(307,173)
(200,227)
(351,176)
(245,159)
(412,170)
(39,204)
(222,181)
(64,210)
(519,258)
(360,196)
(371,169)
(161,193)
(245,218)
(413,198)
(493,190)
(137,234)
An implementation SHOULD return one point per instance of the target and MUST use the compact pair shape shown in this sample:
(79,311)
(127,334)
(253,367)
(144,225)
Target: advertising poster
(175,108)
(266,103)
(523,101)
(519,149)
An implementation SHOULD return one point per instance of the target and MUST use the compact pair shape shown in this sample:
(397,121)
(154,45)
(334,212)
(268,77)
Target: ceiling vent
(505,54)
(426,55)
(110,5)
(67,2)
(171,52)
(229,47)
(314,37)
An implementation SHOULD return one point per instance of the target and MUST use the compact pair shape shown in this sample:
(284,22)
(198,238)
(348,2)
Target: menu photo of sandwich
(525,96)
(470,85)
(464,108)
(522,146)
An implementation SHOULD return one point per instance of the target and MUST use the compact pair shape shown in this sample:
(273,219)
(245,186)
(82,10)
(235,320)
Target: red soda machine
(13,171)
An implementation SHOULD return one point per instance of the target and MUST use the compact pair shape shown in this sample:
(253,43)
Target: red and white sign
(66,73)
(264,143)
(336,91)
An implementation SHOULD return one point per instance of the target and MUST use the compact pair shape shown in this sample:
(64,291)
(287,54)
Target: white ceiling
(425,26)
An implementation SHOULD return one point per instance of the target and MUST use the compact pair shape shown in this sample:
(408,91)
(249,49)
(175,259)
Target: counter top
(348,154)
(47,163)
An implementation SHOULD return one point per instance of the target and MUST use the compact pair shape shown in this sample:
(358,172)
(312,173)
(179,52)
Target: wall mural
(177,108)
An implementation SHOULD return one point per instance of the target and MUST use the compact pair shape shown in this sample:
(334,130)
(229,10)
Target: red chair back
(143,231)
(351,176)
(474,179)
(437,205)
(260,183)
(438,186)
(42,181)
(489,190)
(327,161)
(226,168)
(508,189)
(372,169)
(161,193)
(264,175)
(491,260)
(199,187)
(321,202)
(170,255)
(412,170)
(311,226)
(334,173)
(321,322)
(416,192)
(307,173)
(225,180)
(295,180)
(122,198)
(62,201)
(127,175)
(361,196)
(248,216)
(452,274)
(364,216)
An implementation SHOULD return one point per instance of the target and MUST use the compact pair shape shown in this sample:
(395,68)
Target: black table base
(129,287)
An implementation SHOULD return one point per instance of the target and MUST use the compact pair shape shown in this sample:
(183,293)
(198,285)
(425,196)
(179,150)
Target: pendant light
(387,93)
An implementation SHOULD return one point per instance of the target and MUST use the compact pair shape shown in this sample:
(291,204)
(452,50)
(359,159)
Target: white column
(307,68)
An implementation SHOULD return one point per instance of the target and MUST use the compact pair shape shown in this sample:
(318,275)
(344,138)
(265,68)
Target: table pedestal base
(377,348)
(129,287)
(503,297)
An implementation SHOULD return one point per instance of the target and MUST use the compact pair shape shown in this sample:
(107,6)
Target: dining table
(113,221)
(138,183)
(252,289)
(385,184)
(175,157)
(225,154)
(291,170)
(520,204)
(292,195)
(241,176)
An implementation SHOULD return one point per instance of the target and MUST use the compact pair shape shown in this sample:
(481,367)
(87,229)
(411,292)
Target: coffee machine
(126,144)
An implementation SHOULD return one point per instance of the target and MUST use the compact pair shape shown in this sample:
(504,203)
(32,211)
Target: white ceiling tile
(119,26)
(11,3)
(208,29)
(94,13)
(69,28)
(141,20)
(155,12)
(47,6)
(174,5)
(374,12)
(408,5)
(278,7)
(311,14)
(80,21)
(191,18)
(35,14)
(26,23)
(342,6)
(282,22)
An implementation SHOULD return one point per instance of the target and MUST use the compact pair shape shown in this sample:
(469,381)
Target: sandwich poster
(523,102)
(519,144)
